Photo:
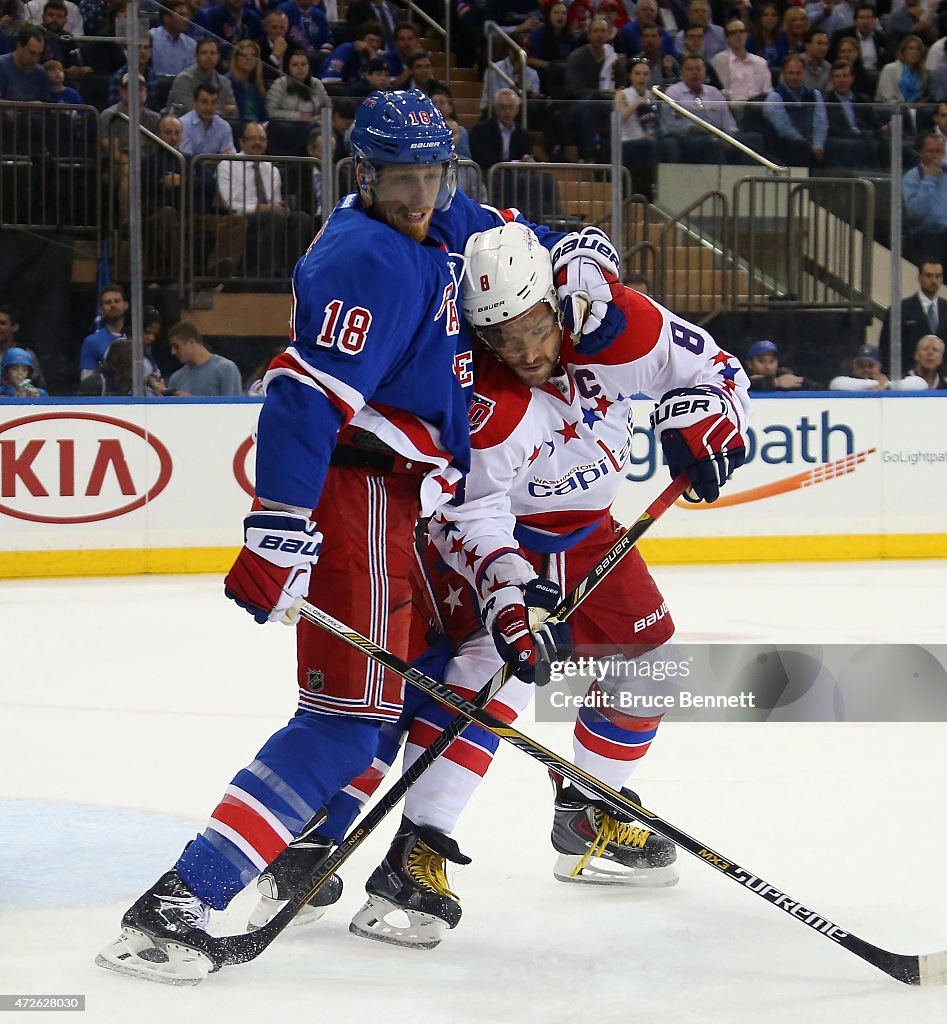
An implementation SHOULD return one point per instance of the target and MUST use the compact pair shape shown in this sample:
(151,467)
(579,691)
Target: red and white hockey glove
(587,270)
(526,638)
(699,438)
(273,569)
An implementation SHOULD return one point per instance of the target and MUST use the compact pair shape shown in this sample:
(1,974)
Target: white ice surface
(127,704)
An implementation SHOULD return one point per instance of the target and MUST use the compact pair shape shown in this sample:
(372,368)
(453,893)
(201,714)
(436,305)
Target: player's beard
(395,215)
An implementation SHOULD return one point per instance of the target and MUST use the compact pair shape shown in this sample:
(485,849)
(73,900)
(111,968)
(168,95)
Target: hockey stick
(912,969)
(235,949)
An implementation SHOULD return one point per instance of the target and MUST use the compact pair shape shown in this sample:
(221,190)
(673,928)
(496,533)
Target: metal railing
(694,269)
(230,238)
(50,167)
(417,14)
(493,31)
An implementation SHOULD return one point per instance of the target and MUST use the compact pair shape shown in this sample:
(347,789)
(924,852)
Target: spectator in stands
(928,371)
(698,146)
(16,368)
(9,328)
(205,131)
(762,365)
(866,373)
(234,21)
(22,80)
(444,102)
(512,68)
(275,47)
(872,46)
(151,328)
(699,13)
(344,68)
(72,25)
(114,310)
(830,15)
(202,372)
(639,144)
(253,190)
(817,71)
(246,80)
(501,137)
(616,16)
(298,96)
(309,200)
(742,74)
(59,45)
(639,282)
(865,82)
(173,49)
(11,14)
(796,118)
(922,313)
(115,129)
(664,68)
(940,121)
(692,47)
(767,40)
(421,67)
(406,43)
(852,140)
(308,29)
(385,13)
(202,72)
(924,189)
(60,92)
(912,17)
(795,28)
(646,14)
(343,117)
(590,79)
(514,16)
(549,46)
(115,376)
(904,80)
(376,78)
(145,67)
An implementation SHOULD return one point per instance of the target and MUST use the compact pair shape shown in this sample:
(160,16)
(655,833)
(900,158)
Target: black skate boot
(595,846)
(164,934)
(283,876)
(412,881)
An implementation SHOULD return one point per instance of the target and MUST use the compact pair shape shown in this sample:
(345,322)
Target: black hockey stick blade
(925,969)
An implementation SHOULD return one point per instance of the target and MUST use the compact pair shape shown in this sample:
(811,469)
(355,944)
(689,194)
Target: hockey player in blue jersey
(364,427)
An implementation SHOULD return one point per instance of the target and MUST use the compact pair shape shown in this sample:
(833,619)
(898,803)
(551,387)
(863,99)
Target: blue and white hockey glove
(699,438)
(273,569)
(525,637)
(587,270)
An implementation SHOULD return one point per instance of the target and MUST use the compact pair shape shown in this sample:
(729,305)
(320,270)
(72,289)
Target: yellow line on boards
(658,551)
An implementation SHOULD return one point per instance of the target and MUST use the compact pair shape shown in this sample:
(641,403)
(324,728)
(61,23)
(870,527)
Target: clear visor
(413,186)
(525,333)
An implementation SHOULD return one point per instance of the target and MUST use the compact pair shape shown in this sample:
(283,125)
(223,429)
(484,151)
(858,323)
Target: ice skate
(411,885)
(281,879)
(163,935)
(595,847)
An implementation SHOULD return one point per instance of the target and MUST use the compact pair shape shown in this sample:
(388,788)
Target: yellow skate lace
(428,868)
(610,830)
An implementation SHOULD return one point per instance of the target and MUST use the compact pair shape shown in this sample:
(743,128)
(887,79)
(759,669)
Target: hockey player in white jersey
(550,438)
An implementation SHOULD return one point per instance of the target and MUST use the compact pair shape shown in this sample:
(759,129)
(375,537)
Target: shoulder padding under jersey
(644,321)
(499,403)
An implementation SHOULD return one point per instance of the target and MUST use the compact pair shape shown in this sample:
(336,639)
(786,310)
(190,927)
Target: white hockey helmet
(506,272)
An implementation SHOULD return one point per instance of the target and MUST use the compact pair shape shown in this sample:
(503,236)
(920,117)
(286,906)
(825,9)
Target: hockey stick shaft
(241,948)
(912,969)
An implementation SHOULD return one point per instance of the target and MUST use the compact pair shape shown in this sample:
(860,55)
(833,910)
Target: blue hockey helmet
(15,357)
(403,127)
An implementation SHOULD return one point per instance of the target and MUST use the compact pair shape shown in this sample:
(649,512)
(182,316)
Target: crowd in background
(247,80)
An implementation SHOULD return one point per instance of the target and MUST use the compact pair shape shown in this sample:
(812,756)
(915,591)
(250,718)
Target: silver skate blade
(605,872)
(374,921)
(137,955)
(268,908)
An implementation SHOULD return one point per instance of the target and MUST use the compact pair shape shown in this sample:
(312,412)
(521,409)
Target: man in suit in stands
(852,140)
(501,137)
(871,42)
(921,314)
